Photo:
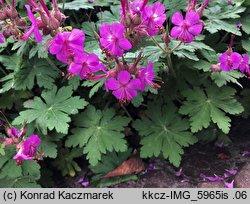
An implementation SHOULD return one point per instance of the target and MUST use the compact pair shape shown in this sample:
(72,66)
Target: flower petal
(177,18)
(119,94)
(175,32)
(118,30)
(105,31)
(125,44)
(124,77)
(195,29)
(113,84)
(192,17)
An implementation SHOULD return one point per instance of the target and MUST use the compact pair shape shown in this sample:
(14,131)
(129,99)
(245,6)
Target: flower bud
(53,23)
(166,38)
(58,15)
(3,15)
(142,31)
(6,33)
(126,21)
(46,31)
(13,32)
(44,18)
(229,51)
(21,22)
(136,19)
(215,67)
(13,13)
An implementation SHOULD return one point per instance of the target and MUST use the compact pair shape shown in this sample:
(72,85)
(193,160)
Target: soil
(206,159)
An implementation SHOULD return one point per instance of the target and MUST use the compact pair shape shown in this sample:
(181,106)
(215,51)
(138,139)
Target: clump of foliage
(75,79)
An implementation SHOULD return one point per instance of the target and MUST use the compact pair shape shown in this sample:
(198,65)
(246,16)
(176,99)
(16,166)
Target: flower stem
(158,44)
(53,65)
(126,111)
(170,65)
(176,47)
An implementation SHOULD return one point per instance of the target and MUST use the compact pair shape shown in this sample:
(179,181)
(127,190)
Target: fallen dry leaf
(131,166)
(223,156)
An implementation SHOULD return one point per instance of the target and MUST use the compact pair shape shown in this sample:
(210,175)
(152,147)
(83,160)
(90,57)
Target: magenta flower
(245,153)
(229,185)
(244,65)
(30,145)
(1,38)
(33,28)
(85,65)
(13,132)
(20,156)
(179,173)
(230,62)
(212,178)
(138,6)
(186,29)
(83,182)
(66,44)
(232,171)
(154,17)
(147,76)
(112,38)
(125,88)
(151,167)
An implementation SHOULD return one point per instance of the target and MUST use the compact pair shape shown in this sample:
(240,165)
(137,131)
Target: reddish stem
(232,41)
(194,3)
(123,4)
(44,7)
(144,4)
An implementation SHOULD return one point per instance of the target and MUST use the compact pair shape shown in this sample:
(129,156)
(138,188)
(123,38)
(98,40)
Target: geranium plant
(77,75)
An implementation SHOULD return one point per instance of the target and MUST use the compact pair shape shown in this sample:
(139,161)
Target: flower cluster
(186,29)
(231,60)
(26,148)
(11,20)
(141,20)
(138,20)
(16,26)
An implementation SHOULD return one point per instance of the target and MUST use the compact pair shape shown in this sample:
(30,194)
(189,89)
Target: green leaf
(245,100)
(21,182)
(84,4)
(10,170)
(174,6)
(52,110)
(164,132)
(246,44)
(96,85)
(2,152)
(32,70)
(222,78)
(210,104)
(31,168)
(40,49)
(116,180)
(98,132)
(91,44)
(153,53)
(48,147)
(218,14)
(65,161)
(12,62)
(110,17)
(7,100)
(188,50)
